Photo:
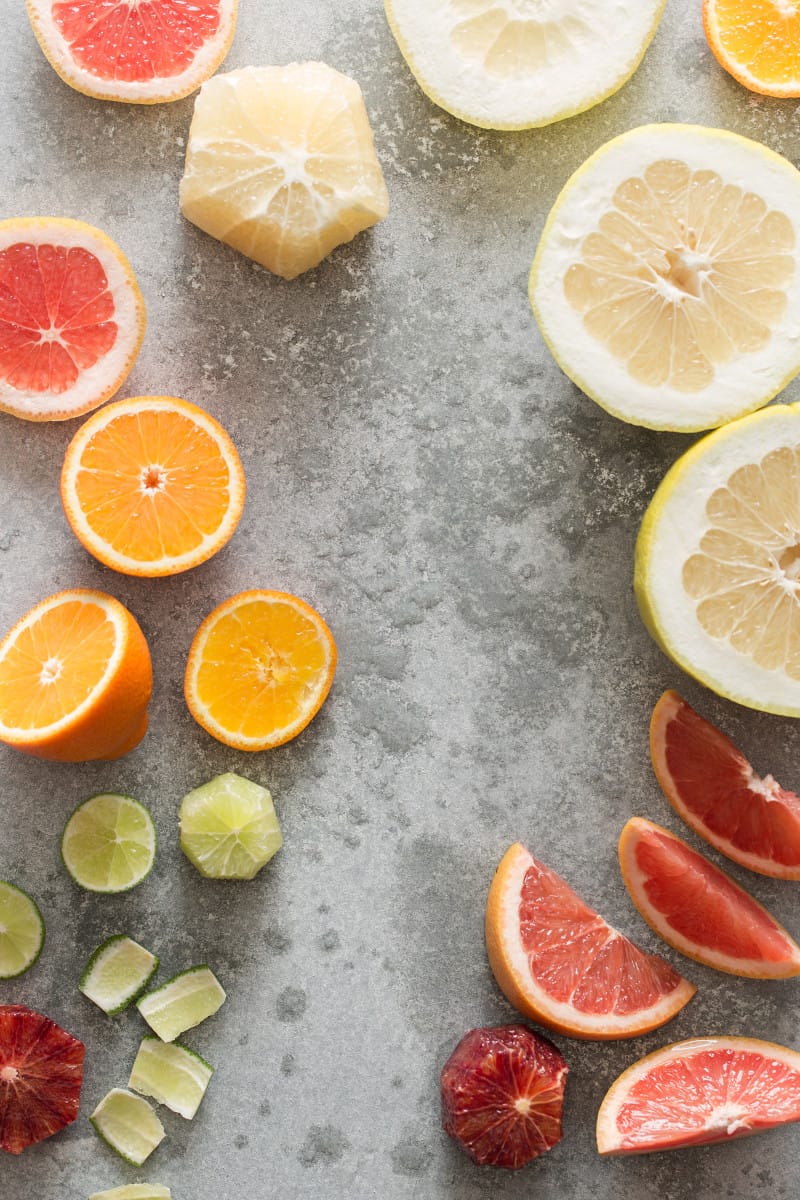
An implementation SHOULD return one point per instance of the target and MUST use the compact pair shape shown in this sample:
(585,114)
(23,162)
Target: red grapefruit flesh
(697,1092)
(503,1095)
(41,1073)
(698,909)
(560,964)
(712,786)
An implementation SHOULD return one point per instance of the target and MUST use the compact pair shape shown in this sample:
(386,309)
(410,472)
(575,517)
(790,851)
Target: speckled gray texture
(464,518)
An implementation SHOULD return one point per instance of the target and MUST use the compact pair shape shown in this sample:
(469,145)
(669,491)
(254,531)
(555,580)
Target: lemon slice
(718,561)
(666,282)
(117,973)
(172,1075)
(182,1002)
(229,829)
(21,931)
(129,1125)
(135,1191)
(109,843)
(516,64)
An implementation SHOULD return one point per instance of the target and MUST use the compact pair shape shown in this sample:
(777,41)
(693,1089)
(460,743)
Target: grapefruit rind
(509,962)
(738,70)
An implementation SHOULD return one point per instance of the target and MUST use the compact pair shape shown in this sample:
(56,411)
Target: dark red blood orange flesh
(41,1073)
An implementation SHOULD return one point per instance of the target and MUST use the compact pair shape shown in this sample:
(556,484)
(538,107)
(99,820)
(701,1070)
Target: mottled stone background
(464,518)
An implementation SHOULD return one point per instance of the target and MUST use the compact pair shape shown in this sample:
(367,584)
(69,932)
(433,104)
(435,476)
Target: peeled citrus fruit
(563,966)
(152,486)
(708,781)
(41,1075)
(756,41)
(513,64)
(698,909)
(75,679)
(72,318)
(718,561)
(698,1092)
(140,51)
(229,829)
(666,281)
(259,669)
(281,164)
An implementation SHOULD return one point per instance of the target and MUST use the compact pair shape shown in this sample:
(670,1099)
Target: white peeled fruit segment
(517,64)
(229,829)
(666,281)
(281,164)
(718,561)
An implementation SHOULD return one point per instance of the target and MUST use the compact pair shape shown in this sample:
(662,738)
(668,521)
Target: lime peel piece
(135,1191)
(171,1074)
(182,1002)
(117,973)
(129,1125)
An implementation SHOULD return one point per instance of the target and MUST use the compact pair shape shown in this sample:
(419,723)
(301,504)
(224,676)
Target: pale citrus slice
(182,1002)
(75,679)
(21,931)
(172,1075)
(152,486)
(666,281)
(129,1125)
(758,42)
(134,1191)
(281,164)
(229,829)
(259,669)
(139,51)
(109,843)
(517,64)
(117,973)
(72,318)
(718,561)
(560,964)
(698,1092)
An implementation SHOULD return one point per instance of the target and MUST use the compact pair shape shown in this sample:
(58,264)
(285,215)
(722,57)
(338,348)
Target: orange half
(757,42)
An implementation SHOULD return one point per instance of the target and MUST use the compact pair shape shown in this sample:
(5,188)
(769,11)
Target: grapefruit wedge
(694,1093)
(712,786)
(563,966)
(698,909)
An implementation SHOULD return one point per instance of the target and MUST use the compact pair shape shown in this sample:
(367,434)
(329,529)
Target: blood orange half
(698,909)
(712,786)
(139,51)
(694,1093)
(72,318)
(563,966)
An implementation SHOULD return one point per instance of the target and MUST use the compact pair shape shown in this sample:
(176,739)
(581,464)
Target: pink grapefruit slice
(566,968)
(698,909)
(711,785)
(697,1092)
(139,51)
(72,318)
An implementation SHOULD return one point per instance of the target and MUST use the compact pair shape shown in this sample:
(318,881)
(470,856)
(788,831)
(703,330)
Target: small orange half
(757,42)
(152,485)
(75,679)
(259,669)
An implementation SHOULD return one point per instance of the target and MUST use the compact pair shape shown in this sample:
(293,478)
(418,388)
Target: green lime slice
(135,1191)
(21,931)
(171,1074)
(109,843)
(229,829)
(128,1124)
(117,973)
(182,1002)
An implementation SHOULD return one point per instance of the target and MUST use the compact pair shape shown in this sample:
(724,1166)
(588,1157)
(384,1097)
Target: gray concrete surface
(421,471)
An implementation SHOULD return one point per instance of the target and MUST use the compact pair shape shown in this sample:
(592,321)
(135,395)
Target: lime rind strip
(171,1074)
(109,1001)
(155,1006)
(22,931)
(135,1191)
(129,1125)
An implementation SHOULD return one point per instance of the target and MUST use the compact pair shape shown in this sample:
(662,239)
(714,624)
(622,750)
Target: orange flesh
(54,664)
(762,36)
(56,316)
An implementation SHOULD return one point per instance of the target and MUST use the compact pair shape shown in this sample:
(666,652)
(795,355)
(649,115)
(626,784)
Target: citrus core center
(154,479)
(789,562)
(8,1074)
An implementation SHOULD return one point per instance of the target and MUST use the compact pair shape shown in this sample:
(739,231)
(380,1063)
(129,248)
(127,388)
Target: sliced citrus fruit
(666,282)
(182,1002)
(698,909)
(152,486)
(229,829)
(757,41)
(563,966)
(134,1191)
(518,64)
(117,973)
(41,1075)
(698,1092)
(259,669)
(281,165)
(21,931)
(139,51)
(718,561)
(75,679)
(129,1125)
(109,843)
(172,1075)
(72,318)
(708,781)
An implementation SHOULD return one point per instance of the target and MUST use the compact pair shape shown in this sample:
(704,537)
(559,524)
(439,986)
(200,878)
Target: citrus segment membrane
(172,1075)
(117,973)
(129,1125)
(229,829)
(109,843)
(666,281)
(756,41)
(182,1002)
(21,931)
(516,64)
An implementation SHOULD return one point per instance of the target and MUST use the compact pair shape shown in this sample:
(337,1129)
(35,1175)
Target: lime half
(117,973)
(171,1074)
(21,931)
(129,1125)
(229,829)
(135,1191)
(182,1002)
(109,843)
